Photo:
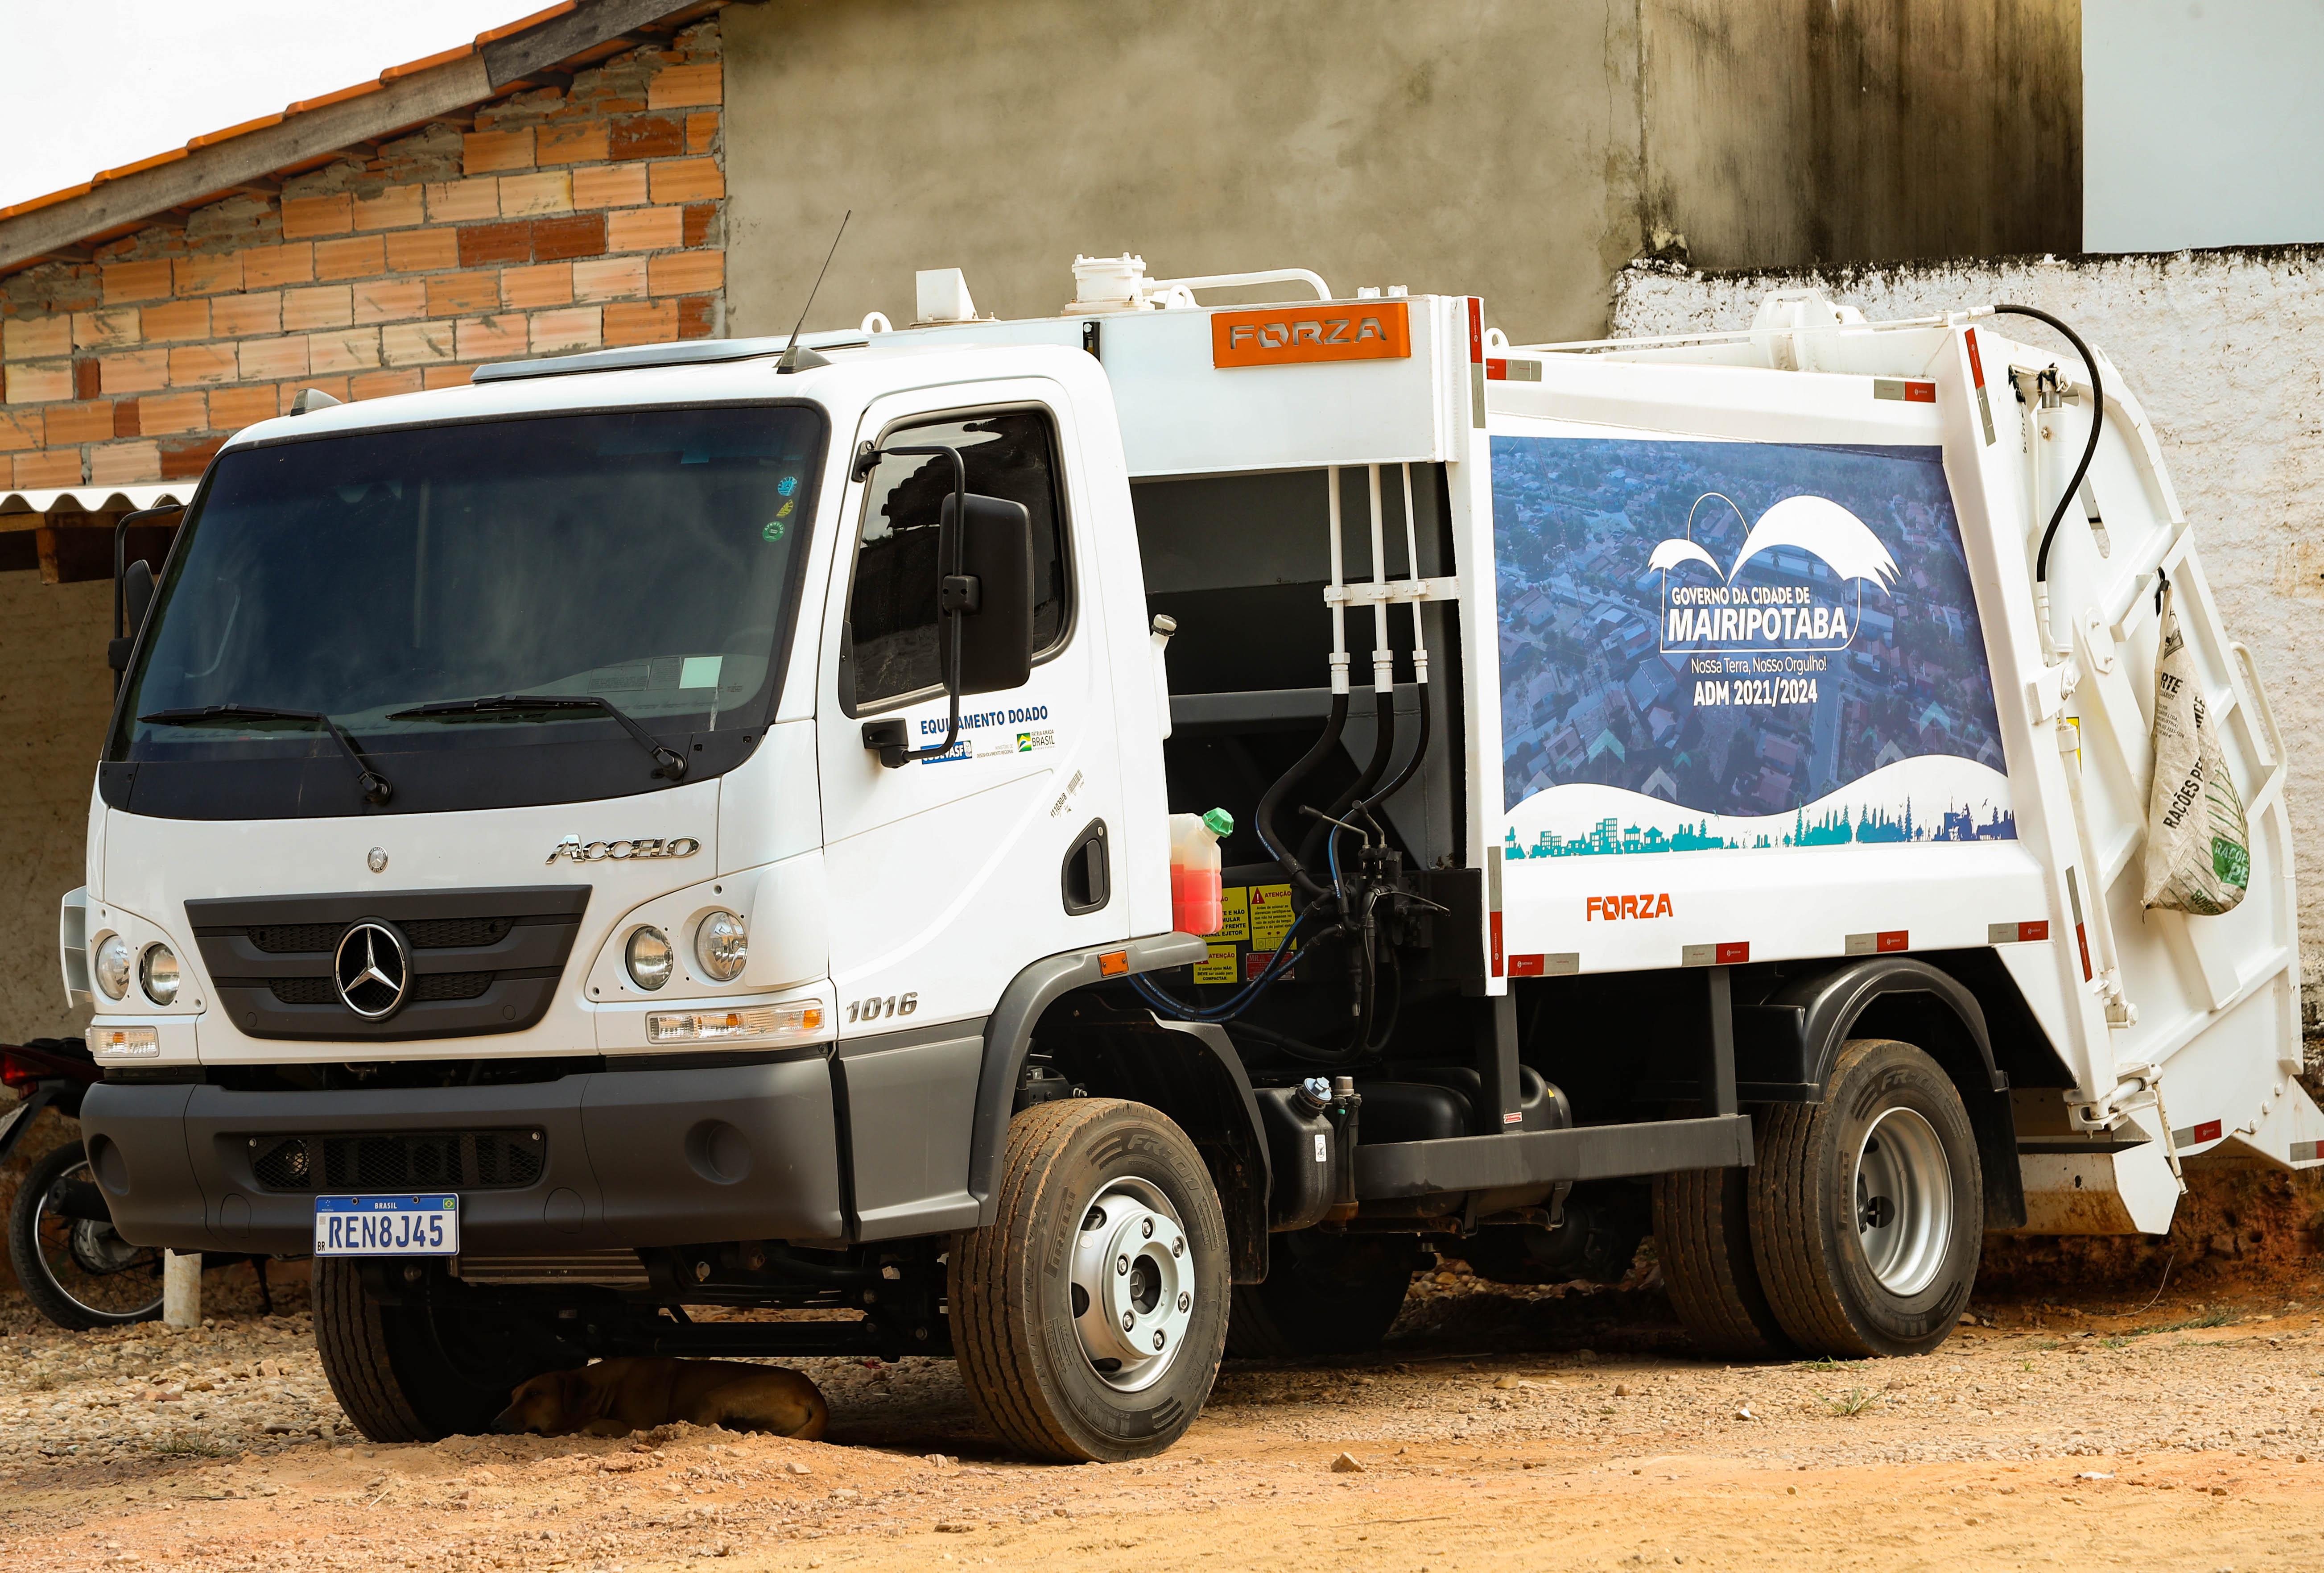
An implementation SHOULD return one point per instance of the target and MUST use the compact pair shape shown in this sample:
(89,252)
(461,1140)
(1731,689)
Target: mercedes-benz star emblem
(377,858)
(371,969)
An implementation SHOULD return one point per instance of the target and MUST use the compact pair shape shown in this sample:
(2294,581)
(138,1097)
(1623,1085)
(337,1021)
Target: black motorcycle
(75,1268)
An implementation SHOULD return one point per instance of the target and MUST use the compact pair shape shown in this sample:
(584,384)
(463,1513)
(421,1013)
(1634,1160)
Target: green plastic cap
(1221,823)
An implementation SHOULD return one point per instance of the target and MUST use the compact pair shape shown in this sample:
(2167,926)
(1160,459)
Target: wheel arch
(1187,1070)
(1786,1042)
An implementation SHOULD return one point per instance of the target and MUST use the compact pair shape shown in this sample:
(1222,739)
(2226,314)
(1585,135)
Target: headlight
(157,974)
(109,961)
(721,947)
(650,957)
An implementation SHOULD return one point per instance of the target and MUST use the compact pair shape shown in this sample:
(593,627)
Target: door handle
(1087,879)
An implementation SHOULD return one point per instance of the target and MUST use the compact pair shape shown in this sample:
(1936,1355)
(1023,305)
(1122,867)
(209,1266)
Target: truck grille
(399,1160)
(426,934)
(482,961)
(427,986)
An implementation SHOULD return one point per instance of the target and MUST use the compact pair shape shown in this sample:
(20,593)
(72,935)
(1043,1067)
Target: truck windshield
(643,558)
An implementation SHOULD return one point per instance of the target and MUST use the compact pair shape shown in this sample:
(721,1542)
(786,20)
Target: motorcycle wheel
(76,1271)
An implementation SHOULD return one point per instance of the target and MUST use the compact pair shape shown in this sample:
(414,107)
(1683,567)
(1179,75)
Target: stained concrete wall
(1784,131)
(56,695)
(2226,349)
(1510,148)
(1358,138)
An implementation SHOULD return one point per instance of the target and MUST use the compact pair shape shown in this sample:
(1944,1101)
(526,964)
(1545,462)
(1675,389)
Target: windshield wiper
(668,763)
(376,787)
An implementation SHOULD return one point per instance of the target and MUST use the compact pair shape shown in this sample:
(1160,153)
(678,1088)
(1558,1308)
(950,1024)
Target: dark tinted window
(646,557)
(892,606)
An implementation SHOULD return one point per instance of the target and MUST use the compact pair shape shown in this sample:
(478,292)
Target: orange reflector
(1113,963)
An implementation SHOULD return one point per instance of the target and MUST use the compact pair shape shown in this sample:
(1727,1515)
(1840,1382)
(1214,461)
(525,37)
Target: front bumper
(629,1158)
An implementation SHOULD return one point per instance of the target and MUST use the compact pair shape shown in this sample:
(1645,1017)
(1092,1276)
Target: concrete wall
(1784,131)
(2223,350)
(1357,138)
(1519,150)
(55,699)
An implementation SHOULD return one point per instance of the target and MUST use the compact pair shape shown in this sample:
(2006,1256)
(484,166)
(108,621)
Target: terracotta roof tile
(212,138)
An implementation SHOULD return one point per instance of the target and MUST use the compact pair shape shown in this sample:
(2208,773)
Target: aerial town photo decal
(1715,646)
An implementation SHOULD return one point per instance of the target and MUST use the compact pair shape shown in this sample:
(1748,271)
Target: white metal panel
(1181,415)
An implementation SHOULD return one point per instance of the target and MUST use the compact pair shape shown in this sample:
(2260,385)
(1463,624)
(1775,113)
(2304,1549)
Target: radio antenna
(790,361)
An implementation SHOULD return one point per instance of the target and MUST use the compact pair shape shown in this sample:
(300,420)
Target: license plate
(387,1226)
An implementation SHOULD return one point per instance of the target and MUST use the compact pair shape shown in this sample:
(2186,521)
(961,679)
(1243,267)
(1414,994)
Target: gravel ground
(1527,1429)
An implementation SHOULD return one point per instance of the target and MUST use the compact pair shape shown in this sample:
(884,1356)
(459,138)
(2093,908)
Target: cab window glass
(891,610)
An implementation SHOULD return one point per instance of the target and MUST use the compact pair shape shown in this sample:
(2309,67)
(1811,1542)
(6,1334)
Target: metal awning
(86,500)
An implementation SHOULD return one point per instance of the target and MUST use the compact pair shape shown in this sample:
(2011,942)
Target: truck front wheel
(1867,1209)
(400,1377)
(1088,1318)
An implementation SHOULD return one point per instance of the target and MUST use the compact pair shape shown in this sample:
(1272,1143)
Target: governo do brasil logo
(1790,606)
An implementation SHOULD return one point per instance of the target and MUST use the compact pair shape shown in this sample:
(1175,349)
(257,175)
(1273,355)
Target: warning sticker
(1236,908)
(1219,967)
(1270,914)
(1258,961)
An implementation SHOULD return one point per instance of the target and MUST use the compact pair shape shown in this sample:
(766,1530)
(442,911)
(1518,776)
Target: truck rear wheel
(402,1378)
(1868,1210)
(1324,1295)
(1088,1318)
(1702,1237)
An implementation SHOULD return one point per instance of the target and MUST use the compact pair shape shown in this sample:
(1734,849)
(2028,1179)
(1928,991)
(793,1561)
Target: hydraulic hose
(2089,449)
(1411,765)
(1152,992)
(1383,743)
(1264,819)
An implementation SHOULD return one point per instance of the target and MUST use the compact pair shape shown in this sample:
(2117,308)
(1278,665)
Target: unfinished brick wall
(561,219)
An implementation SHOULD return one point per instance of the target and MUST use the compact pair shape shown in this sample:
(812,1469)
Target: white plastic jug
(1198,899)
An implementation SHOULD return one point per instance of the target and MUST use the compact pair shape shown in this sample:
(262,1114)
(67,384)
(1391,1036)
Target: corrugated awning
(88,500)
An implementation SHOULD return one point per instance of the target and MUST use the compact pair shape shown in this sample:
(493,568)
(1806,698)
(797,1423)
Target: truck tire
(77,1271)
(399,1378)
(1867,1209)
(1107,1218)
(1702,1237)
(1324,1295)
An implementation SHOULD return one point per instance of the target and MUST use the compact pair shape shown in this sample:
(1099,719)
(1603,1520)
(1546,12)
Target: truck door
(949,875)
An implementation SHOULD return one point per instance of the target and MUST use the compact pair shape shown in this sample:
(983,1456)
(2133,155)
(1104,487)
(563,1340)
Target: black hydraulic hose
(1383,745)
(2089,449)
(1411,766)
(1264,819)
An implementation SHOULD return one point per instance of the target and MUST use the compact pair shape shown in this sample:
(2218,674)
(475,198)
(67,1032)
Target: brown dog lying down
(613,1398)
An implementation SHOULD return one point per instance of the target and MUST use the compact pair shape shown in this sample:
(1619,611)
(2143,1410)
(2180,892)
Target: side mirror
(993,594)
(136,600)
(130,601)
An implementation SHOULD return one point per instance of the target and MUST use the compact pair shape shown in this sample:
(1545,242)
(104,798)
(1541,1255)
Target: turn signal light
(125,1042)
(755,1022)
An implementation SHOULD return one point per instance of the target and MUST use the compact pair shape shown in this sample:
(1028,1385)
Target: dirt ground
(2174,1425)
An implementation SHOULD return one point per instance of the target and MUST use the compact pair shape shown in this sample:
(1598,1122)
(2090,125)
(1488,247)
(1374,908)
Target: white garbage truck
(692,826)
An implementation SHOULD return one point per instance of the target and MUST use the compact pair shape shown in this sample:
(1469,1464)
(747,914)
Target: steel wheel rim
(82,1255)
(1133,1284)
(1903,1196)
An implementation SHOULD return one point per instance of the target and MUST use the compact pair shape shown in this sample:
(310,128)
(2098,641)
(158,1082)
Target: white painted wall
(2202,123)
(2226,349)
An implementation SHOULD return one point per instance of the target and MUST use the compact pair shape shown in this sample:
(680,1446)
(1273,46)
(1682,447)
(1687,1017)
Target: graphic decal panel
(1718,646)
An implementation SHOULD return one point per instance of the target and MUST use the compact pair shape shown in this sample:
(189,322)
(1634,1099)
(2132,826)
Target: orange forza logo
(1288,335)
(1648,905)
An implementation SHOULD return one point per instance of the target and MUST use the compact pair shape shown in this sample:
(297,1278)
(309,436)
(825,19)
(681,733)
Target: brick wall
(561,219)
